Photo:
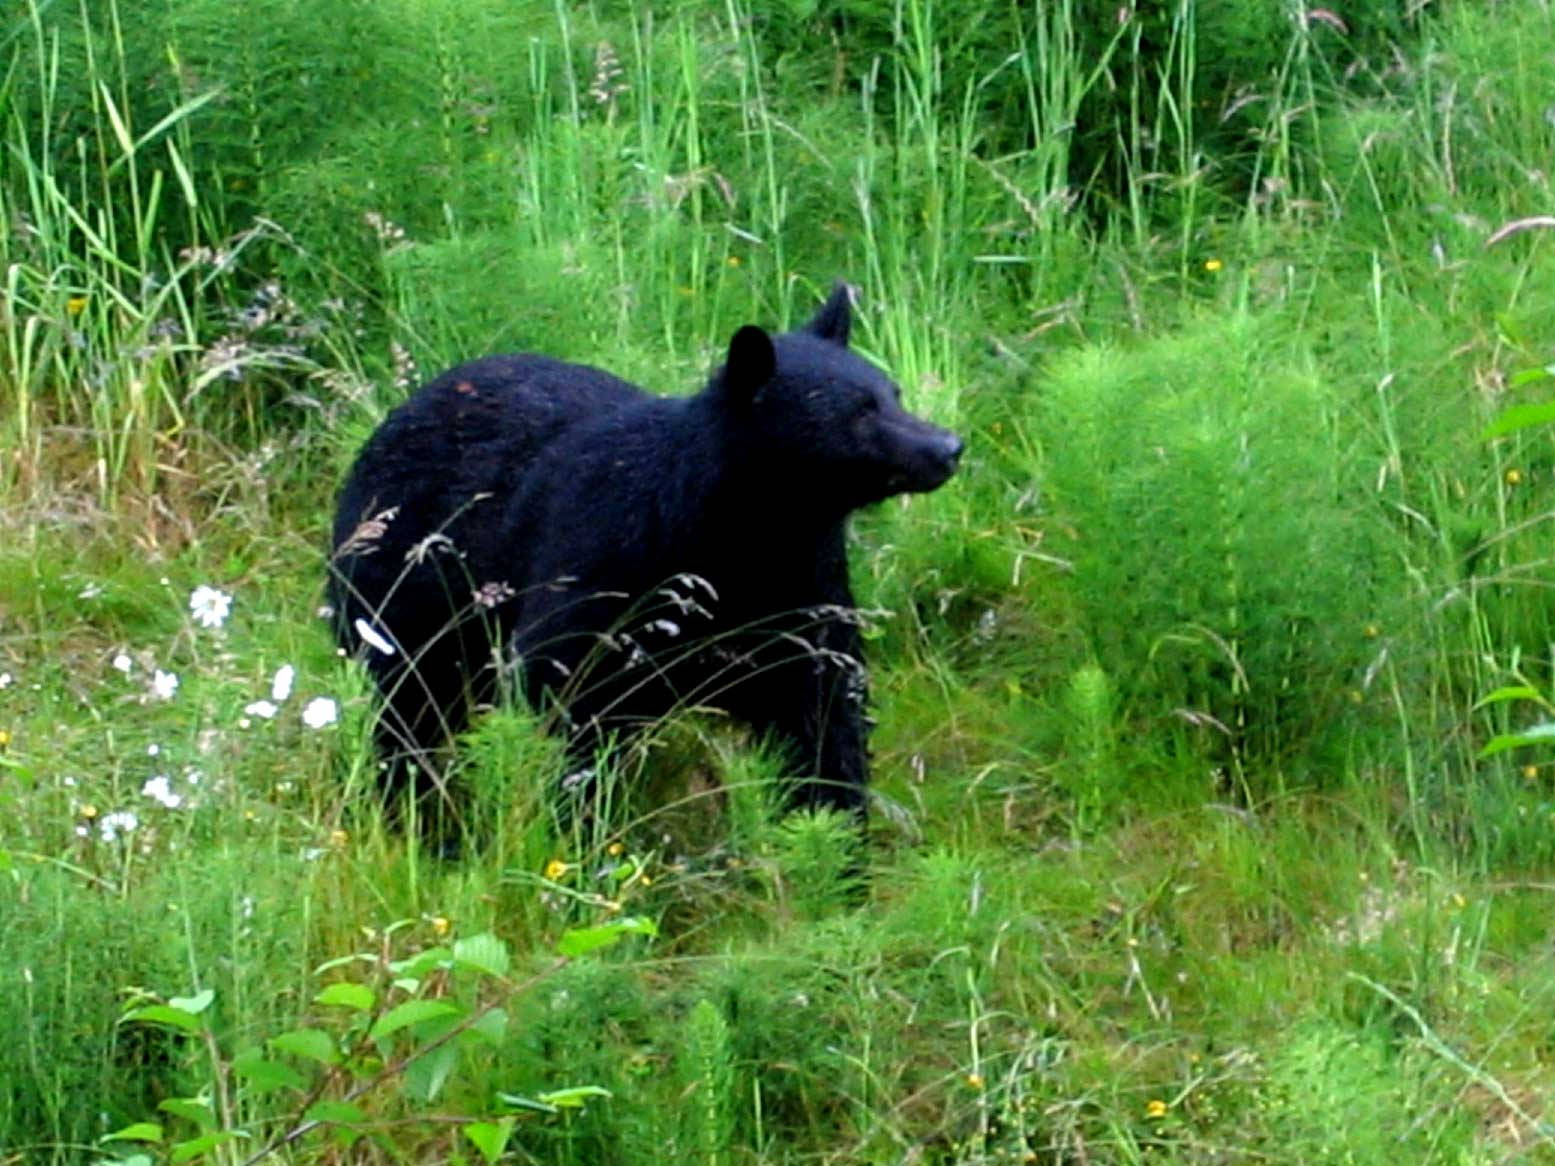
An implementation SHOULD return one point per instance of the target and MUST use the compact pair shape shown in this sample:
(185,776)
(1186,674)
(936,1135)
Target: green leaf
(1536,735)
(141,1131)
(195,1004)
(1510,692)
(1519,417)
(573,1098)
(411,1012)
(164,1014)
(582,940)
(194,1147)
(337,1112)
(311,1043)
(190,1109)
(490,1137)
(1530,376)
(515,1101)
(266,1076)
(426,1075)
(491,1028)
(418,965)
(482,953)
(348,995)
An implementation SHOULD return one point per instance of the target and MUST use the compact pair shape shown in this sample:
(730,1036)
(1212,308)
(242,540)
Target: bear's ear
(835,318)
(751,364)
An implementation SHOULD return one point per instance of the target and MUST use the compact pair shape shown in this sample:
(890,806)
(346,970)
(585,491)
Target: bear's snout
(930,457)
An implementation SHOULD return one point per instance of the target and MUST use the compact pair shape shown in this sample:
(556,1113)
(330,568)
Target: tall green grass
(1183,842)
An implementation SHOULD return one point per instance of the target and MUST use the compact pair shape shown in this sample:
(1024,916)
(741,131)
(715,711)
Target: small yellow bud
(88,811)
(440,925)
(974,1080)
(1513,476)
(338,838)
(614,849)
(1530,771)
(75,305)
(1213,265)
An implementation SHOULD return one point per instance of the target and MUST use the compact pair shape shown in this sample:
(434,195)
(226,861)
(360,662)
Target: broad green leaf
(1536,735)
(335,1111)
(490,1028)
(483,953)
(266,1076)
(427,1074)
(307,1042)
(195,1004)
(418,965)
(1517,417)
(194,1147)
(582,940)
(348,995)
(190,1109)
(165,1014)
(411,1012)
(490,1137)
(1510,692)
(1529,376)
(141,1131)
(573,1098)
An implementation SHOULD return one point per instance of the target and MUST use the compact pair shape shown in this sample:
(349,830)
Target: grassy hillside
(1214,804)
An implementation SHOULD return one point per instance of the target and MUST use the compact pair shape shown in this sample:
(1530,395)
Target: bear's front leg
(807,694)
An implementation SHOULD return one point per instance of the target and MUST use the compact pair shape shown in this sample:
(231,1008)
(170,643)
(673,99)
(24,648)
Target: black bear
(629,554)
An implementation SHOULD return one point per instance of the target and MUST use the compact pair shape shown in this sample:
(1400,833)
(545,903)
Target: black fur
(632,553)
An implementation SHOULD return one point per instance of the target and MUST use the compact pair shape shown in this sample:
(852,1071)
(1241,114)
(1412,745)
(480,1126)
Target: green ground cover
(1215,811)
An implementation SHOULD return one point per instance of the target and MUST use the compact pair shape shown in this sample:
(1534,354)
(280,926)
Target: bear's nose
(950,447)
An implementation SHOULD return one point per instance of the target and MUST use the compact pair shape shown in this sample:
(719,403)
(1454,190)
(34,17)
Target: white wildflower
(209,606)
(281,686)
(261,708)
(116,823)
(160,789)
(123,663)
(90,591)
(6,679)
(320,711)
(373,637)
(164,684)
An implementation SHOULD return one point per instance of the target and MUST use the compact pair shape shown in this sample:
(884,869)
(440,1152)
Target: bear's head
(805,407)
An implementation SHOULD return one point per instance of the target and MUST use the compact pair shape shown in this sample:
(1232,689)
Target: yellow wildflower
(1513,476)
(88,811)
(1530,771)
(974,1080)
(1213,265)
(555,869)
(5,738)
(338,838)
(1155,1108)
(614,849)
(75,305)
(440,924)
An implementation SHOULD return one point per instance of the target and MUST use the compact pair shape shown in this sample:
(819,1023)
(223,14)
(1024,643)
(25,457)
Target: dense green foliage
(1215,815)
